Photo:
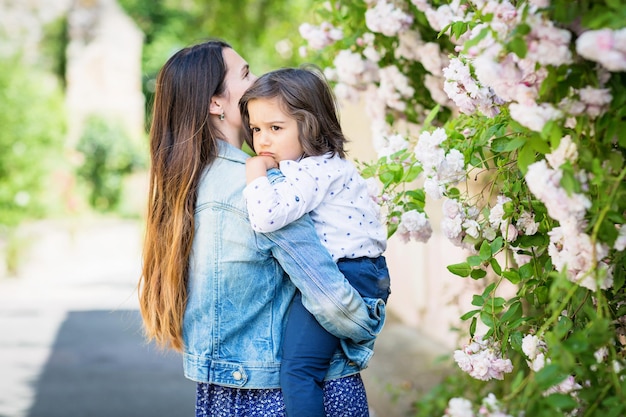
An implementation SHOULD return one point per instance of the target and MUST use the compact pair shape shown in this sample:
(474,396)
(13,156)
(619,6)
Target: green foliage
(109,156)
(53,47)
(255,29)
(569,292)
(31,140)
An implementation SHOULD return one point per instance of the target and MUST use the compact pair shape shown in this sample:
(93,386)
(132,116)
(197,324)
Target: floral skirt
(344,397)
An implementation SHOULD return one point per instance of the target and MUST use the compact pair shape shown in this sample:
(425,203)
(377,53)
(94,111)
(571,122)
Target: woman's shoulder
(222,182)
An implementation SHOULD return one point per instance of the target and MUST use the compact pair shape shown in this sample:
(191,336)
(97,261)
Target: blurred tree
(31,140)
(265,32)
(53,46)
(109,155)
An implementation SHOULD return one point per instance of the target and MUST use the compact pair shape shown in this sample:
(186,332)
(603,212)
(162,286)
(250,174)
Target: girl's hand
(257,166)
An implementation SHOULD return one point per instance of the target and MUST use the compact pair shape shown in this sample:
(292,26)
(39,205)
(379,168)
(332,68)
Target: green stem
(557,311)
(614,377)
(581,305)
(516,391)
(594,236)
(607,207)
(590,411)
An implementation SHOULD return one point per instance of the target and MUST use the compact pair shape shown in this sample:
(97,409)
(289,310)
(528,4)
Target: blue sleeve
(325,292)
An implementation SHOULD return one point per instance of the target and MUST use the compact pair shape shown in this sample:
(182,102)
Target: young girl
(293,125)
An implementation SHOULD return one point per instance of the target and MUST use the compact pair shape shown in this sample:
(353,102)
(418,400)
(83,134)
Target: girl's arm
(272,205)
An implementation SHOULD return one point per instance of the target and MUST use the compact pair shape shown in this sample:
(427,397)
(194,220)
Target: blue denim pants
(308,348)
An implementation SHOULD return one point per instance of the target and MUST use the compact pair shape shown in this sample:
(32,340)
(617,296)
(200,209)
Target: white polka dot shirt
(335,195)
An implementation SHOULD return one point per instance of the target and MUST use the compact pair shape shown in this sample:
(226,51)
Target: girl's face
(274,133)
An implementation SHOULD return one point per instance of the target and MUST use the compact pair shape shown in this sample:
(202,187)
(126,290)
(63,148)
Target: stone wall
(22,23)
(103,56)
(424,294)
(103,66)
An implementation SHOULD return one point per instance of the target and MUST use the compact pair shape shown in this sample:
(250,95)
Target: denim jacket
(241,284)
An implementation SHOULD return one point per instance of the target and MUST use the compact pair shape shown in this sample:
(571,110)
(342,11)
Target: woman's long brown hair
(182,143)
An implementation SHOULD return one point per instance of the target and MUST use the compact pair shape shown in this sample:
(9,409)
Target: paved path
(70,333)
(71,343)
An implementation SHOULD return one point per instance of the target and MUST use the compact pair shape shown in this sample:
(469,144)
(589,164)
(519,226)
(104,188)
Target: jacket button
(237,375)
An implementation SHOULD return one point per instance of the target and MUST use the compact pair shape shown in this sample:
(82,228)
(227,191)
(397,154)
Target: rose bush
(513,113)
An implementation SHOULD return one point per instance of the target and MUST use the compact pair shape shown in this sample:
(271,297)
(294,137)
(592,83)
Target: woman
(213,288)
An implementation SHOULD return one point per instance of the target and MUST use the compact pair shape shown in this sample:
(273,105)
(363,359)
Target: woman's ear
(215,107)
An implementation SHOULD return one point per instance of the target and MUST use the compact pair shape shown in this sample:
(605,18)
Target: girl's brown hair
(182,143)
(304,95)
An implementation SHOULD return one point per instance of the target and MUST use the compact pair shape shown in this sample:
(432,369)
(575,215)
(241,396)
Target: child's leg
(307,351)
(369,276)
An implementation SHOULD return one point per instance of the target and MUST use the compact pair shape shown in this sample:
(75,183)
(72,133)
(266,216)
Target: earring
(222,116)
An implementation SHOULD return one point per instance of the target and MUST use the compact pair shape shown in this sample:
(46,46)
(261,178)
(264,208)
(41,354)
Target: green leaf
(477,300)
(522,29)
(539,144)
(478,273)
(472,328)
(444,30)
(533,240)
(474,260)
(494,305)
(569,182)
(485,251)
(541,293)
(459,28)
(517,381)
(469,314)
(413,172)
(512,276)
(489,289)
(416,195)
(577,342)
(487,319)
(431,116)
(518,46)
(548,376)
(515,340)
(368,171)
(563,326)
(607,231)
(476,39)
(506,144)
(453,192)
(498,301)
(526,271)
(562,402)
(495,265)
(496,130)
(525,157)
(513,313)
(615,405)
(496,245)
(386,177)
(461,269)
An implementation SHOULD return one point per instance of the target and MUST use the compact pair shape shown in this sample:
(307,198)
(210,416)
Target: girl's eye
(254,129)
(275,128)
